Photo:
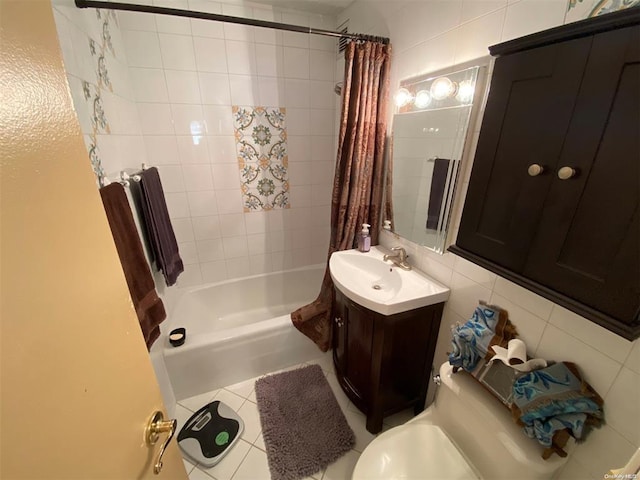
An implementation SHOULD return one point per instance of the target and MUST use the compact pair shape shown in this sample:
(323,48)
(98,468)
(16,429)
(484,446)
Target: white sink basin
(382,286)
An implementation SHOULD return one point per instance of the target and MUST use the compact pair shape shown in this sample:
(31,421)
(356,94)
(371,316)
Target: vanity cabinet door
(532,97)
(588,241)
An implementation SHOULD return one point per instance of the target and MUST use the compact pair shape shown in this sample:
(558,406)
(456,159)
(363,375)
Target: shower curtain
(359,174)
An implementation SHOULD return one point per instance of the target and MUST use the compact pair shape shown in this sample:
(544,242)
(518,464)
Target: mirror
(429,133)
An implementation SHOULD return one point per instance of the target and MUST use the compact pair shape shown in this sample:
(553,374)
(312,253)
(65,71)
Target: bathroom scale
(210,433)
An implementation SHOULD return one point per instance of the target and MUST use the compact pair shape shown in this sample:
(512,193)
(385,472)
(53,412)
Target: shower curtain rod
(224,18)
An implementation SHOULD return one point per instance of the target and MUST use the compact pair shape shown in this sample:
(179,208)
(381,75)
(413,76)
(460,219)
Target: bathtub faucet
(399,258)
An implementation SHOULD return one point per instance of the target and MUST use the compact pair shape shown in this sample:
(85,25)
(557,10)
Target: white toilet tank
(484,430)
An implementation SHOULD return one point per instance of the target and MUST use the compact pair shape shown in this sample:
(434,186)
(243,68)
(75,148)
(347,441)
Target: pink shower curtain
(359,175)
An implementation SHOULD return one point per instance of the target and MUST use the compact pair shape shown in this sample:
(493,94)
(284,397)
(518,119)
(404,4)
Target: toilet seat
(413,451)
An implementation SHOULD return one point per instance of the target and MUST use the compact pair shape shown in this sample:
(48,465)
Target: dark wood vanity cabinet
(383,363)
(566,100)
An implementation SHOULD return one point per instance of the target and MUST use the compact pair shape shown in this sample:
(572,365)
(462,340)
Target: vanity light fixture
(466,89)
(443,87)
(423,99)
(403,97)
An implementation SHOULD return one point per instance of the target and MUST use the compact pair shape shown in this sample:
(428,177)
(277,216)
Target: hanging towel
(555,398)
(437,193)
(149,307)
(162,239)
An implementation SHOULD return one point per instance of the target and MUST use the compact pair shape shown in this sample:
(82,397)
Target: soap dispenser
(364,239)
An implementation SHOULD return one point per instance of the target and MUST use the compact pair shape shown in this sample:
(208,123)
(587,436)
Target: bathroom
(149,107)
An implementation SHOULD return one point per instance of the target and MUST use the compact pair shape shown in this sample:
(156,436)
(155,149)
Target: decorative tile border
(261,147)
(581,9)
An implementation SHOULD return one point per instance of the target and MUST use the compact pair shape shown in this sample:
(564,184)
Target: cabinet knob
(534,170)
(339,321)
(566,173)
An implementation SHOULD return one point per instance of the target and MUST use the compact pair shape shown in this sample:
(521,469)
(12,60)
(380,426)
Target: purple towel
(162,239)
(436,196)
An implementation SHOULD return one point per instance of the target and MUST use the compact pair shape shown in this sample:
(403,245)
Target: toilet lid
(413,451)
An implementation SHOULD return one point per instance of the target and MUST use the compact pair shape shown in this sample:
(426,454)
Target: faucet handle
(402,253)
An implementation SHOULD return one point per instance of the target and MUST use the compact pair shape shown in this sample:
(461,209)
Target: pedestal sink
(381,286)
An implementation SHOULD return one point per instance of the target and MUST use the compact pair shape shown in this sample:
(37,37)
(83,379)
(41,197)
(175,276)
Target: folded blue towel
(552,399)
(471,341)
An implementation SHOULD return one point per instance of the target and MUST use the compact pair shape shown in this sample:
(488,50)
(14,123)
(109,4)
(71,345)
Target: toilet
(466,433)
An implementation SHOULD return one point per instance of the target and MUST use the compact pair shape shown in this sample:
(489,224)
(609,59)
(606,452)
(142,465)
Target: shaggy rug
(303,427)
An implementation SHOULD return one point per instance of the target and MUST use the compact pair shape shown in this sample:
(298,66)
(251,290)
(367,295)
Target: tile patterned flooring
(248,459)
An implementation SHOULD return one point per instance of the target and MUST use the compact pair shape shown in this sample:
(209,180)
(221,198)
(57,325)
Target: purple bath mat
(303,427)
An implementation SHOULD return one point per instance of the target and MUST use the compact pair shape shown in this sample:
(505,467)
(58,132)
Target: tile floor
(248,459)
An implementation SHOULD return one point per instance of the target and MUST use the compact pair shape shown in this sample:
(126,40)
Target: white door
(77,386)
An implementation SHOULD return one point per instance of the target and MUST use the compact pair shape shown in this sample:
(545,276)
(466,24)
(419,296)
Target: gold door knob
(157,425)
(566,173)
(534,170)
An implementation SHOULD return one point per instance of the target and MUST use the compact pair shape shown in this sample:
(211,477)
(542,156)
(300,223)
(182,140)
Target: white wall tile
(233,31)
(206,228)
(232,225)
(297,93)
(256,222)
(192,149)
(244,90)
(474,272)
(526,299)
(241,58)
(218,120)
(235,247)
(183,229)
(214,89)
(155,119)
(183,86)
(271,91)
(475,37)
(161,149)
(472,9)
(322,65)
(190,277)
(296,62)
(188,251)
(269,60)
(143,49)
(202,203)
(177,52)
(149,85)
(214,272)
(530,16)
(622,405)
(137,21)
(465,295)
(172,178)
(210,55)
(591,333)
(177,204)
(197,177)
(210,250)
(188,119)
(229,201)
(222,149)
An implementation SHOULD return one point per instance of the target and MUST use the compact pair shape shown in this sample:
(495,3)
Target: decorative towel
(555,398)
(162,239)
(488,326)
(149,307)
(437,193)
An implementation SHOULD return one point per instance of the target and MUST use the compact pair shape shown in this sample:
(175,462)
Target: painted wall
(165,93)
(432,35)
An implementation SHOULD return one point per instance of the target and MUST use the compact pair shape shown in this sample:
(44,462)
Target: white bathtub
(239,329)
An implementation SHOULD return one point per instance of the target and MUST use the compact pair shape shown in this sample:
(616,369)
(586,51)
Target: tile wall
(160,90)
(186,76)
(432,35)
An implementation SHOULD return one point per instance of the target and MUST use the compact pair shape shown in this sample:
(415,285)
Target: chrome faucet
(399,258)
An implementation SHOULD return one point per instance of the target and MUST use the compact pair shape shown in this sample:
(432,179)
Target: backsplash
(436,35)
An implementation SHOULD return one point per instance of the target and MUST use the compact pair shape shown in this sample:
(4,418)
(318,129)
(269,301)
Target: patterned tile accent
(261,147)
(580,9)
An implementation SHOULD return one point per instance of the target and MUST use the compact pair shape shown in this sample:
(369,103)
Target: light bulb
(466,90)
(442,87)
(423,99)
(402,97)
